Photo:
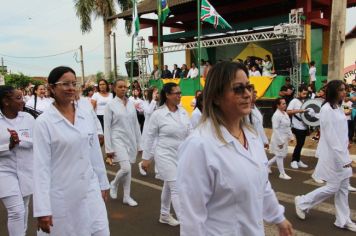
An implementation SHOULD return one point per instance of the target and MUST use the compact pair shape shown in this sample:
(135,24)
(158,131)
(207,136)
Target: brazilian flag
(164,11)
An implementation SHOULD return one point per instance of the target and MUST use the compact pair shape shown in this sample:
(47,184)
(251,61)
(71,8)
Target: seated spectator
(254,72)
(287,91)
(166,73)
(156,73)
(193,72)
(184,71)
(176,72)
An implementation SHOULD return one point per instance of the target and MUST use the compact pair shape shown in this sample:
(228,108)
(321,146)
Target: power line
(38,57)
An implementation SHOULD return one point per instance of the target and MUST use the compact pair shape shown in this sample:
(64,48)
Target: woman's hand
(145,164)
(44,223)
(285,228)
(105,194)
(14,138)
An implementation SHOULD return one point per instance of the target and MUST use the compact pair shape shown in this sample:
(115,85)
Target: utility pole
(82,63)
(337,40)
(2,65)
(115,63)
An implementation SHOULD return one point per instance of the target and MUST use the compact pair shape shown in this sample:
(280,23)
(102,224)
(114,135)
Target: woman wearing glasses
(169,126)
(69,173)
(16,159)
(222,176)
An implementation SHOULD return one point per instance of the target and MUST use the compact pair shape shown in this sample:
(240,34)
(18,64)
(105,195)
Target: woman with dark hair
(334,164)
(169,126)
(197,93)
(101,99)
(281,135)
(267,66)
(16,159)
(198,109)
(222,176)
(69,173)
(38,101)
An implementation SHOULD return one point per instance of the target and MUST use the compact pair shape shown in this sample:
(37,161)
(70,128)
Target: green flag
(210,15)
(164,10)
(135,18)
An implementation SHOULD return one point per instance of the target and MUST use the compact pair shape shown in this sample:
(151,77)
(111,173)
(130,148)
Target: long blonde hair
(219,78)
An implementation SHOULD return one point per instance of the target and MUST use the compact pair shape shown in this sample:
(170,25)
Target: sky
(32,31)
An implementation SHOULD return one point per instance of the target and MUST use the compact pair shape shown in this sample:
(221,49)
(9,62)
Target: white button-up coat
(332,148)
(170,130)
(122,130)
(281,133)
(224,188)
(257,123)
(16,165)
(68,167)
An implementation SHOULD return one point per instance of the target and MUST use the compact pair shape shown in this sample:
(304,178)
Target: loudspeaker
(135,68)
(281,57)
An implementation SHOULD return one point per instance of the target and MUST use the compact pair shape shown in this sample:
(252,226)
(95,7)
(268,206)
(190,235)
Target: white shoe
(284,176)
(349,226)
(351,189)
(302,165)
(129,201)
(300,213)
(168,219)
(142,171)
(113,191)
(316,180)
(294,164)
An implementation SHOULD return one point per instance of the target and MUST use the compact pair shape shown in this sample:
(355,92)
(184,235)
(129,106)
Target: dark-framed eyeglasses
(177,93)
(240,89)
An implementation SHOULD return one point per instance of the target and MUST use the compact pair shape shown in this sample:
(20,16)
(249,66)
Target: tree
(103,9)
(20,80)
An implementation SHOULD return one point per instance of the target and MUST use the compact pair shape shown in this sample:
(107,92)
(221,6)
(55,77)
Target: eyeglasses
(177,93)
(240,89)
(66,84)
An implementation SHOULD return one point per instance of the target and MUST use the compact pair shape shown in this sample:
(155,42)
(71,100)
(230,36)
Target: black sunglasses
(240,89)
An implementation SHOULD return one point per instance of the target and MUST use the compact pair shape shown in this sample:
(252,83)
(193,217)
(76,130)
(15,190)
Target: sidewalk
(310,146)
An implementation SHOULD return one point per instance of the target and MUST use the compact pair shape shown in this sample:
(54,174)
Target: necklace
(243,141)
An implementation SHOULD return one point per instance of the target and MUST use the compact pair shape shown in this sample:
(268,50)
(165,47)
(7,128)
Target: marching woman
(38,101)
(169,126)
(222,176)
(69,173)
(101,99)
(281,135)
(196,114)
(334,164)
(122,139)
(16,159)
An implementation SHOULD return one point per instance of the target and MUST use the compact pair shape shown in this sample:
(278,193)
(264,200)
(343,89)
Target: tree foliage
(20,80)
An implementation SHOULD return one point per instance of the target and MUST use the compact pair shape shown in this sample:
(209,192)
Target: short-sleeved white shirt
(312,72)
(296,104)
(101,102)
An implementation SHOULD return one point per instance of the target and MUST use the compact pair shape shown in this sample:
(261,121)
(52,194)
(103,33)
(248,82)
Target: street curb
(311,152)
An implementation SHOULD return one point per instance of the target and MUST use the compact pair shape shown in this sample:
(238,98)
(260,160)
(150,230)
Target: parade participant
(169,126)
(281,134)
(138,103)
(196,114)
(38,101)
(197,93)
(299,129)
(122,139)
(16,159)
(287,91)
(70,182)
(334,164)
(149,106)
(222,176)
(101,99)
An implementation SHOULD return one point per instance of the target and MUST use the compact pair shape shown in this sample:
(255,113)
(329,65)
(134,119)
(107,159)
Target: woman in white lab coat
(122,139)
(222,176)
(16,159)
(70,182)
(334,163)
(196,114)
(38,101)
(169,126)
(281,135)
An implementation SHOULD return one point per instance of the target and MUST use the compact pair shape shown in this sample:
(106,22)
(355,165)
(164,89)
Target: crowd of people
(213,165)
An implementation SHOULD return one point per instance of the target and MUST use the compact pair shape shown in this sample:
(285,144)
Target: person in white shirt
(193,72)
(196,114)
(267,66)
(299,129)
(254,72)
(101,99)
(16,159)
(281,135)
(122,139)
(197,93)
(169,126)
(38,101)
(138,103)
(222,176)
(312,74)
(70,181)
(334,163)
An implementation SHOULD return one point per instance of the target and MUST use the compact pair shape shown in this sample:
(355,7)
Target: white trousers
(280,165)
(124,176)
(338,189)
(17,214)
(170,194)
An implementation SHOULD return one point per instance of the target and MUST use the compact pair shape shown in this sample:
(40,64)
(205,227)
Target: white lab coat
(195,119)
(332,148)
(281,133)
(69,173)
(170,129)
(223,188)
(16,165)
(148,109)
(121,130)
(257,123)
(42,104)
(85,105)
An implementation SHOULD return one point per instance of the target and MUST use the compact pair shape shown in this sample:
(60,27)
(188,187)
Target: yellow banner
(170,81)
(261,84)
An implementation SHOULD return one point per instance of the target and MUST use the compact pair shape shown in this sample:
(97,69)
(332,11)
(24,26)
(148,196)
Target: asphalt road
(143,220)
